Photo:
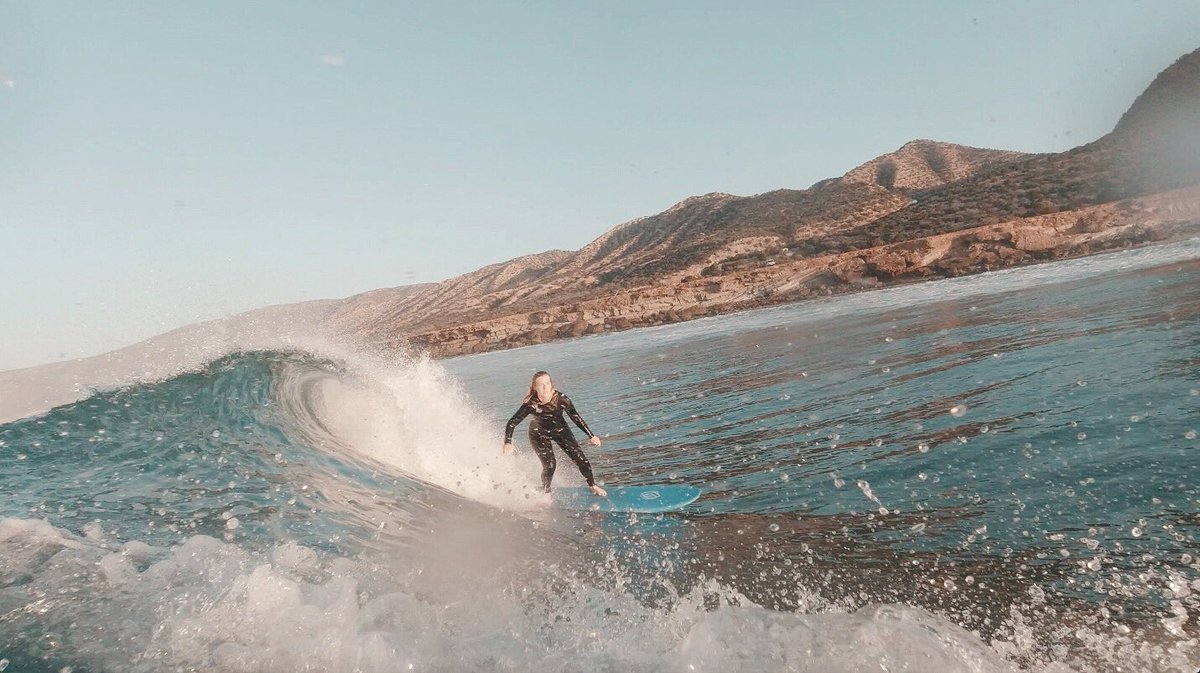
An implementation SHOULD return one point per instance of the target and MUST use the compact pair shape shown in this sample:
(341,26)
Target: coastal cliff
(927,210)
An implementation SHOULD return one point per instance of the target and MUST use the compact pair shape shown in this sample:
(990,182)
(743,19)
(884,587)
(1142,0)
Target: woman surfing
(548,426)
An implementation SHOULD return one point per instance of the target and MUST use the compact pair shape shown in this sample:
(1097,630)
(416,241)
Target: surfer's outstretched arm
(569,407)
(513,422)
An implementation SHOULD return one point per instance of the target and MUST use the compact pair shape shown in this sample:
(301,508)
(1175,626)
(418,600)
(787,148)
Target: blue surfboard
(656,498)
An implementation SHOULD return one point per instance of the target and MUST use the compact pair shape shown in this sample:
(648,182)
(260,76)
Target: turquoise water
(989,473)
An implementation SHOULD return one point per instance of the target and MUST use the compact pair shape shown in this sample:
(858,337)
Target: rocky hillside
(1158,217)
(470,293)
(1154,148)
(1170,106)
(703,245)
(923,165)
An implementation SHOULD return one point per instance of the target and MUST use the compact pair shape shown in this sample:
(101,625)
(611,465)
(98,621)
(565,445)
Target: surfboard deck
(649,499)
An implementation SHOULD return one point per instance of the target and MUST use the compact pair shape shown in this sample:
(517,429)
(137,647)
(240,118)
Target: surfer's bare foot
(599,491)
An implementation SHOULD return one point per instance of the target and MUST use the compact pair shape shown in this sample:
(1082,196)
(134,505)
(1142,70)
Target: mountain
(701,234)
(1155,147)
(376,312)
(1170,106)
(922,165)
(1160,133)
(926,209)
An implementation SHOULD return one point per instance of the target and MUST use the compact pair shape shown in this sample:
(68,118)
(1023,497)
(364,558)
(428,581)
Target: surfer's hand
(508,448)
(599,491)
(595,441)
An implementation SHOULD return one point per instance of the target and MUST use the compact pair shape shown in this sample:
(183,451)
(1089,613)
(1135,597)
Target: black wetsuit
(548,425)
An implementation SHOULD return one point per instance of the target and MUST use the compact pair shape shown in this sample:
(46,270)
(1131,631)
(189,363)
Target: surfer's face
(544,387)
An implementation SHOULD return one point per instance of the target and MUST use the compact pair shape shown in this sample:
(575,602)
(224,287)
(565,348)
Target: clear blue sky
(164,163)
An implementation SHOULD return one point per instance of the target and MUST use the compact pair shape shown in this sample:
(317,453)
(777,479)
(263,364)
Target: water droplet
(774,528)
(922,476)
(1190,434)
(3,664)
(1136,531)
(1093,564)
(950,585)
(923,447)
(232,524)
(984,429)
(216,433)
(1081,436)
(783,477)
(958,410)
(917,528)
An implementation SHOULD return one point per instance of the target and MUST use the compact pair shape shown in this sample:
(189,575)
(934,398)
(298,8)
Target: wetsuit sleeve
(569,407)
(516,419)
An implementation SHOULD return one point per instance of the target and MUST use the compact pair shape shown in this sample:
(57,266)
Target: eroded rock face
(1030,239)
(890,264)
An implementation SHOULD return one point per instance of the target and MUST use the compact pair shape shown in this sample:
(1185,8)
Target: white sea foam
(208,604)
(411,415)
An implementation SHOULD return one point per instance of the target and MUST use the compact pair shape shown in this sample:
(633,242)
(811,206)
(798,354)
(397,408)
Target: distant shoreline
(961,253)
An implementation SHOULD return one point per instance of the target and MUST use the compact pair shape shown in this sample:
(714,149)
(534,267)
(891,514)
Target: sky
(167,163)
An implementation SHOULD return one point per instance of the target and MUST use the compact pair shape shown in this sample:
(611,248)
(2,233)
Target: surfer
(547,406)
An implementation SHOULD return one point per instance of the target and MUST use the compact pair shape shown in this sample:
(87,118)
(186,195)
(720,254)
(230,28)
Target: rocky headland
(927,210)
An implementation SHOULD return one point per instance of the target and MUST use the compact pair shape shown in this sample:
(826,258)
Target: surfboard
(649,499)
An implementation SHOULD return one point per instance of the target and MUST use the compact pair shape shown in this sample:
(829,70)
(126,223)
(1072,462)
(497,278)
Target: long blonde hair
(531,396)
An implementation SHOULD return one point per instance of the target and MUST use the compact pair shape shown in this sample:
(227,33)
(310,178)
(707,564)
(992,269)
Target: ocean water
(993,473)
